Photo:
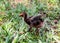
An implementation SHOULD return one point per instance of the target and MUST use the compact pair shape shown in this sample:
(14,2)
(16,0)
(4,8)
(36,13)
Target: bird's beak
(20,15)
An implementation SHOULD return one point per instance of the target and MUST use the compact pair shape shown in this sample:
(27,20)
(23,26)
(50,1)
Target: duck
(32,21)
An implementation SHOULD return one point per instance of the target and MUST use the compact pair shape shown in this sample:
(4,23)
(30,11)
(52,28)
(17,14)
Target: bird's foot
(29,30)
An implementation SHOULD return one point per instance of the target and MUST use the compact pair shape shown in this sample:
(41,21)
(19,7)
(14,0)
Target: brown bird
(33,21)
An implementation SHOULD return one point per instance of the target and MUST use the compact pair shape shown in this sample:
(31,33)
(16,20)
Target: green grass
(13,29)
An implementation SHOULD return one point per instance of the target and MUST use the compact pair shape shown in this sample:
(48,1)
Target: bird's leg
(37,31)
(30,29)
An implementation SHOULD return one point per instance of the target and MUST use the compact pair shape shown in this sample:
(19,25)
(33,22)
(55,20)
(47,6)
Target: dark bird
(33,21)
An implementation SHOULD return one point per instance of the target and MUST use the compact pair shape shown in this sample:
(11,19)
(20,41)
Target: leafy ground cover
(13,29)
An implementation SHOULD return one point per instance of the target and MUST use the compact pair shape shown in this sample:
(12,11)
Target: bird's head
(23,14)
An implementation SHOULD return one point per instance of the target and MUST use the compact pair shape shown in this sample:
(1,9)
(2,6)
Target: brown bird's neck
(25,16)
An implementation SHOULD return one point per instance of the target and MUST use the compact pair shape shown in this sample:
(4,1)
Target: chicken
(33,21)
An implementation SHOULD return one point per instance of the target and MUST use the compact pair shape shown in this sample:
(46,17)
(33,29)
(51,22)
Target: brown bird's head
(23,14)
